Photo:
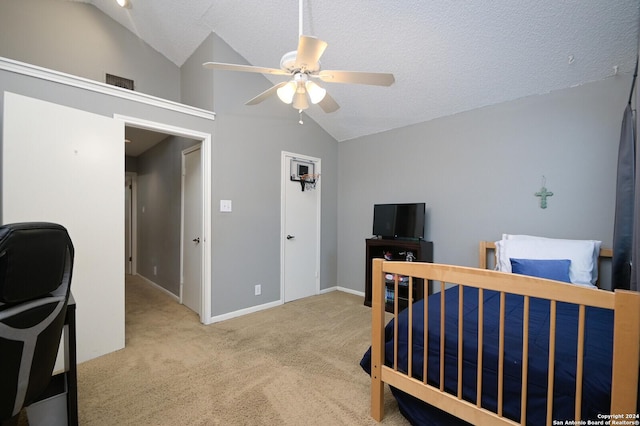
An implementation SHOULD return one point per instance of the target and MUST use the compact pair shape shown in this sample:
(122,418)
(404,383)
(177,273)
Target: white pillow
(596,249)
(582,253)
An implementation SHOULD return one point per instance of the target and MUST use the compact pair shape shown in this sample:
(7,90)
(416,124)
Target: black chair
(36,262)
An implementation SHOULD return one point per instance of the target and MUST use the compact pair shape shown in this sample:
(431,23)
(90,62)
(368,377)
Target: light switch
(225,205)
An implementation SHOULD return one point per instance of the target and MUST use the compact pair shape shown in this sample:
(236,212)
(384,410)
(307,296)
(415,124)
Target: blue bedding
(597,359)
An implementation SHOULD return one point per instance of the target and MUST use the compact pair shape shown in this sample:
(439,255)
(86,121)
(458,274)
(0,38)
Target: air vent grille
(114,80)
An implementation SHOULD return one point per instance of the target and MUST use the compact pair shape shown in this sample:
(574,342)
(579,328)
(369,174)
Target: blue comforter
(597,359)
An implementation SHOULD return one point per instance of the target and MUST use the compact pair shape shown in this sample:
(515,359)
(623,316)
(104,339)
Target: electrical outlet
(155,270)
(258,290)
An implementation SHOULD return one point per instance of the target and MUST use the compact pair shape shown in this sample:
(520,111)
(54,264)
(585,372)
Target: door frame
(133,217)
(183,154)
(284,179)
(205,139)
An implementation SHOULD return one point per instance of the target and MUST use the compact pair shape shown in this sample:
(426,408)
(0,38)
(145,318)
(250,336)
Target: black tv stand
(377,247)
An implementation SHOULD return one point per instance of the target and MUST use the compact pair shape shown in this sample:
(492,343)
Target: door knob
(290,237)
(196,240)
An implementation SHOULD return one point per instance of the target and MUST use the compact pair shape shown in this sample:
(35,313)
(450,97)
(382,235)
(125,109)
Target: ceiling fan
(303,66)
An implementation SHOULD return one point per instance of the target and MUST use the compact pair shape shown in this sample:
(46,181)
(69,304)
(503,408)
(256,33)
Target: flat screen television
(399,220)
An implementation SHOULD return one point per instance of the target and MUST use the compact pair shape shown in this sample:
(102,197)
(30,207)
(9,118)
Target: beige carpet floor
(295,364)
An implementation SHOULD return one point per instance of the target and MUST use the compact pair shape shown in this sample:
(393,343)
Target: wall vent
(114,80)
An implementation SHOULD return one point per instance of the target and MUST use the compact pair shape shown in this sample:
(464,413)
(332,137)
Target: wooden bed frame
(626,341)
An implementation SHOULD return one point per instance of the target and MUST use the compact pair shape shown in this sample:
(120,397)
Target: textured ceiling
(447,56)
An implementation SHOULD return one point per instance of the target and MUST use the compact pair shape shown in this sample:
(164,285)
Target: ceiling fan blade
(357,77)
(310,49)
(328,104)
(244,68)
(264,95)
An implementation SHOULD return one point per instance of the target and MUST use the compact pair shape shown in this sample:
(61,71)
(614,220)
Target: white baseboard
(242,312)
(350,291)
(159,287)
(344,289)
(262,307)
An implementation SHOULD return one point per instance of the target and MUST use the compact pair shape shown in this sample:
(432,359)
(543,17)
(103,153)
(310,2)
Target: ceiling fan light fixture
(300,101)
(316,93)
(286,92)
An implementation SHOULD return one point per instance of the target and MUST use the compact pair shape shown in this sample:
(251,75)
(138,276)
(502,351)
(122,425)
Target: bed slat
(460,338)
(580,362)
(425,336)
(409,329)
(442,328)
(480,342)
(501,355)
(525,361)
(552,360)
(395,328)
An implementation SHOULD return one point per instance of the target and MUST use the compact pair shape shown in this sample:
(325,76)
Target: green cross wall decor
(543,194)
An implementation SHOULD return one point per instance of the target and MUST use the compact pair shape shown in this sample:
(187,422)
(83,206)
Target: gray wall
(247,148)
(78,39)
(478,172)
(196,83)
(158,209)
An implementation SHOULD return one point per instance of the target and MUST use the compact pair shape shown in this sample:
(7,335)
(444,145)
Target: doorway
(204,213)
(129,223)
(300,228)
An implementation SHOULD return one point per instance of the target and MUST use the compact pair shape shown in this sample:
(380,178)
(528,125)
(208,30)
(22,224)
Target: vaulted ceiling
(447,56)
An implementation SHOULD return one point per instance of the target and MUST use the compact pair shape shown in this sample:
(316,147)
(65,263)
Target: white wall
(66,166)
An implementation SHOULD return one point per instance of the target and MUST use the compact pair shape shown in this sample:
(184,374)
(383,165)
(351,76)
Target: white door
(192,235)
(300,230)
(64,165)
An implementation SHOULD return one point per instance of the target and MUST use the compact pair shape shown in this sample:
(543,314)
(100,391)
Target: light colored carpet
(296,364)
